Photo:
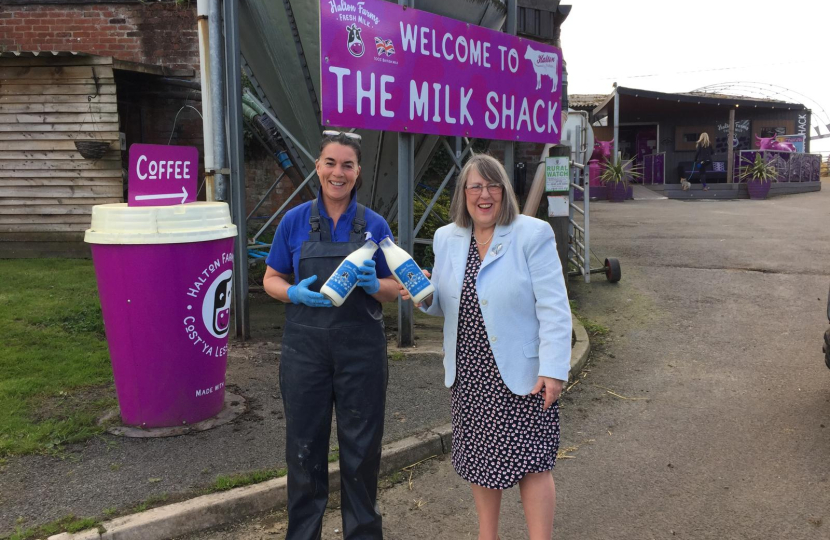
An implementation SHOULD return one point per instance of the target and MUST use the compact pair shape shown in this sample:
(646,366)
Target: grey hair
(492,171)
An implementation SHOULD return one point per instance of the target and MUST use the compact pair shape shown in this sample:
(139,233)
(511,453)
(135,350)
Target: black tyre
(826,348)
(613,273)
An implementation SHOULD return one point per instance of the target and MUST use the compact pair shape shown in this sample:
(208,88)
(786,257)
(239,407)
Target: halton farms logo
(355,42)
(209,307)
(384,46)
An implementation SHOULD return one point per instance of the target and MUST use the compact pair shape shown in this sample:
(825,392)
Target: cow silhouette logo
(544,63)
(355,42)
(216,306)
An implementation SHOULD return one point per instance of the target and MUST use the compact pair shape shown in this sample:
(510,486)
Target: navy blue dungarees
(333,356)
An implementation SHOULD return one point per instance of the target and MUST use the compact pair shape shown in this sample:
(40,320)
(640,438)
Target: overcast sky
(675,46)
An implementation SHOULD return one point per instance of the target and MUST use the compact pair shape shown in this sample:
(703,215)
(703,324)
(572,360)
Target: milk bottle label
(411,277)
(344,279)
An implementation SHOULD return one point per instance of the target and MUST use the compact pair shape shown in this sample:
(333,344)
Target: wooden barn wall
(47,189)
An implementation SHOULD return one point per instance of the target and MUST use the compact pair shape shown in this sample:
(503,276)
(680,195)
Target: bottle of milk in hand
(406,271)
(344,280)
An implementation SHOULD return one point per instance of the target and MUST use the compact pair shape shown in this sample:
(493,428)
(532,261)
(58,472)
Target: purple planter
(617,192)
(758,190)
(598,193)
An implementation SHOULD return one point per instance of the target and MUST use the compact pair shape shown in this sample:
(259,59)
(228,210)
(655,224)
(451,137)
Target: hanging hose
(268,132)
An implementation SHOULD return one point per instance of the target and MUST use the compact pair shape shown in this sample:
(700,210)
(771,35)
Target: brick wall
(159,33)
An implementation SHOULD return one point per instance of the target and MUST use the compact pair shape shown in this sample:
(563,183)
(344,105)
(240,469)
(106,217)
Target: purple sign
(386,67)
(162,175)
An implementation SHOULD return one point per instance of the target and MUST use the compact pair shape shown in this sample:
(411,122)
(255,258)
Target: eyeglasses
(492,189)
(347,134)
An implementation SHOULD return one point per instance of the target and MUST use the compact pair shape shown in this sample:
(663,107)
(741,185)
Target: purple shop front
(387,67)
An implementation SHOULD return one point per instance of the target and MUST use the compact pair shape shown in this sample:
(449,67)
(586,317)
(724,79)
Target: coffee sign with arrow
(162,175)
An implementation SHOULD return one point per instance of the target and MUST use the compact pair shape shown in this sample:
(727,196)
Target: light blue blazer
(522,295)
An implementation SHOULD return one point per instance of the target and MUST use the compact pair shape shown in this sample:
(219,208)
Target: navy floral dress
(498,436)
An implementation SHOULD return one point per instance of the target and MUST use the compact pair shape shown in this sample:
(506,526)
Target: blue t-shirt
(293,230)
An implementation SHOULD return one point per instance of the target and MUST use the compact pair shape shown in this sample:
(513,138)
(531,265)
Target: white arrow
(183,195)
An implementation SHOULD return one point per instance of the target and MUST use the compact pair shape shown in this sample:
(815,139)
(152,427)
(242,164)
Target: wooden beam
(75,173)
(44,227)
(19,238)
(55,73)
(62,200)
(61,181)
(60,118)
(73,209)
(45,192)
(51,135)
(48,209)
(56,98)
(47,145)
(37,88)
(84,126)
(58,108)
(57,154)
(26,83)
(730,148)
(62,164)
(32,218)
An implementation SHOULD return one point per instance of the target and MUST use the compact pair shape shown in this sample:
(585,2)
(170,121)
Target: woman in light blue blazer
(507,345)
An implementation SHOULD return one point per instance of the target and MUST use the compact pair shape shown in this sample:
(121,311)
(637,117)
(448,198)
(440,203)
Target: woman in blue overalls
(332,355)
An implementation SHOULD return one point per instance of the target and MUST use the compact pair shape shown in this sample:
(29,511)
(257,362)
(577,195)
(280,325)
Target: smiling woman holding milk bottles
(332,355)
(507,345)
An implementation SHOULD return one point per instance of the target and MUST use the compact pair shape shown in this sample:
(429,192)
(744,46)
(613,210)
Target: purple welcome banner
(386,67)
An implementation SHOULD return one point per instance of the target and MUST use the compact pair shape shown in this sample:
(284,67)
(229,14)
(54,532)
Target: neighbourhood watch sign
(387,67)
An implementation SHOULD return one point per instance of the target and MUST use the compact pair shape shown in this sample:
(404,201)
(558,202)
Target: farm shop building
(654,122)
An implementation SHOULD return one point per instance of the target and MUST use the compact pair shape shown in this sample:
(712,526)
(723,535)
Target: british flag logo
(384,46)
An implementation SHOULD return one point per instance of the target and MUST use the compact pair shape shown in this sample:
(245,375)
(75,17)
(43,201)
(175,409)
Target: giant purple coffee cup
(164,280)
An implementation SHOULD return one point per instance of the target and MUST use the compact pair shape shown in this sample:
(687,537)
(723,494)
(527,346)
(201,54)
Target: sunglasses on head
(347,134)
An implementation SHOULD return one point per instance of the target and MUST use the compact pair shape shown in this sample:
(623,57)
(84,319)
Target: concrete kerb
(217,509)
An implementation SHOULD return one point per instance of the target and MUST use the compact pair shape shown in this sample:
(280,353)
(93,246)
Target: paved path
(706,414)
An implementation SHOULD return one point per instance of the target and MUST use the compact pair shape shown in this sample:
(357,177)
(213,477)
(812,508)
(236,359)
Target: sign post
(557,177)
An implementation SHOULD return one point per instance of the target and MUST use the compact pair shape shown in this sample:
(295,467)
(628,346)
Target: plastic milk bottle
(406,271)
(343,281)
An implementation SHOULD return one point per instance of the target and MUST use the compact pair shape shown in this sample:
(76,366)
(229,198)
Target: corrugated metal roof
(586,100)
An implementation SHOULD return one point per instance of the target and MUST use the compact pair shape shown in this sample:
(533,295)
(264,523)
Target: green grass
(69,523)
(151,502)
(55,374)
(224,483)
(594,329)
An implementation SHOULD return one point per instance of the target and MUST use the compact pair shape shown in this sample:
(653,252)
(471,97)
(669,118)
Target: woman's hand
(367,277)
(300,294)
(550,388)
(405,294)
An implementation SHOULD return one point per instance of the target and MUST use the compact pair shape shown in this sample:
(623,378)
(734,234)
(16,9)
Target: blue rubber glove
(367,277)
(299,294)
